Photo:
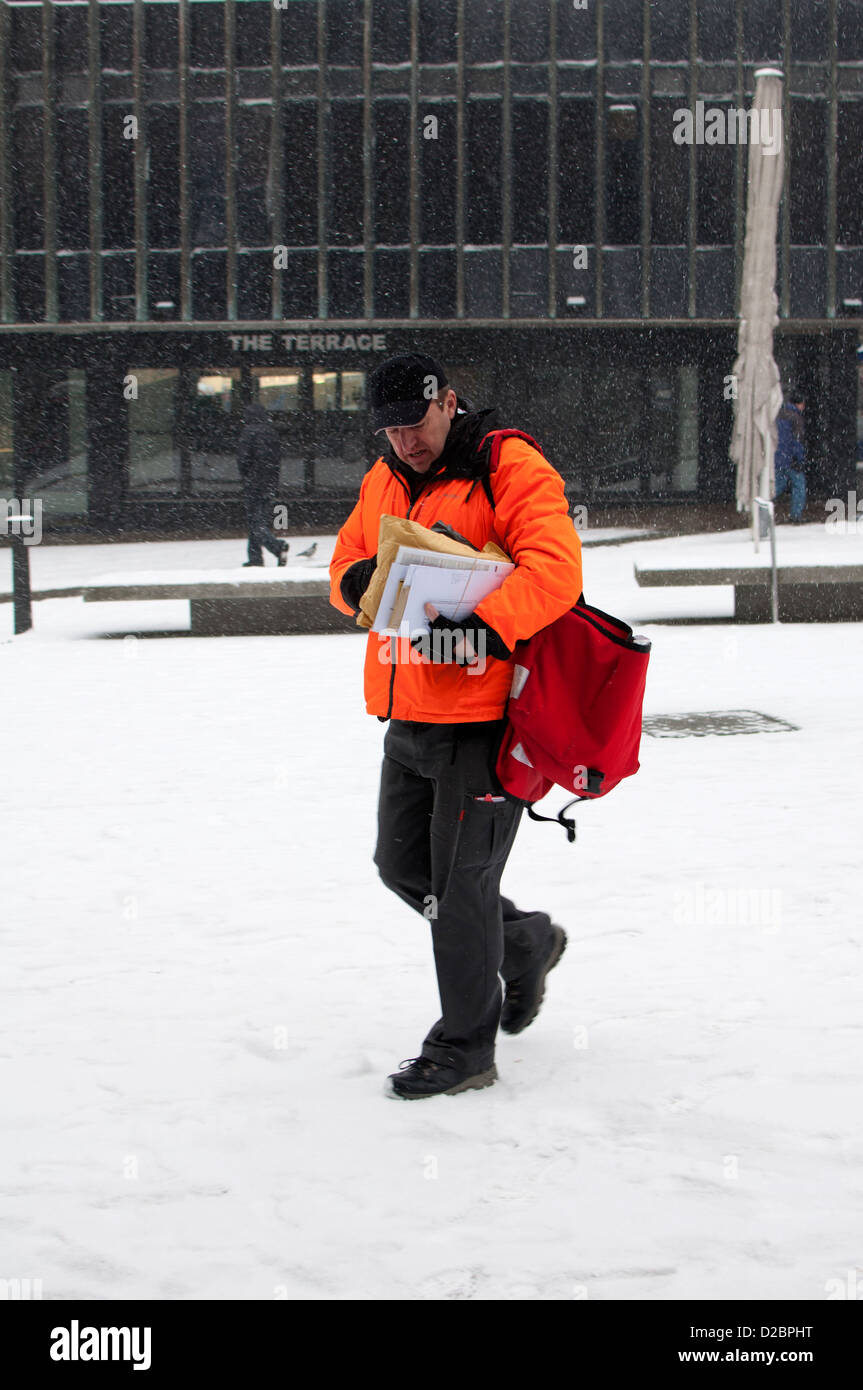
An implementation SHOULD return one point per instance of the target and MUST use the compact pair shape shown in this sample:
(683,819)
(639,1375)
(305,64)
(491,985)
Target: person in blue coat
(790,461)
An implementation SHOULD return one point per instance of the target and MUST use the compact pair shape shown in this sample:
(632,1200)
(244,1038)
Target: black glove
(469,628)
(356,580)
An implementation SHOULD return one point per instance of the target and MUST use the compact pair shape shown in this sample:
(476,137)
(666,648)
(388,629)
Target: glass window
(622,174)
(810,33)
(25,37)
(714,282)
(529,283)
(391,284)
(438,27)
(207,159)
(209,284)
(70,38)
(212,429)
(52,440)
(325,390)
(252,33)
(7,470)
(118,179)
(849,208)
(762,31)
(715,192)
(299,25)
(807,186)
(391,171)
(669,177)
(437,271)
(161,36)
(345,287)
(391,32)
(163,176)
(345,223)
(154,452)
(163,285)
(436,174)
(483,284)
(576,154)
(115,37)
(621,283)
(529,171)
(483,31)
(529,31)
(483,194)
(345,32)
(300,285)
(616,443)
(576,32)
(717,30)
(669,30)
(339,391)
(253,161)
(850,30)
(624,34)
(353,390)
(207,36)
(73,288)
(254,284)
(300,174)
(276,390)
(118,283)
(27,164)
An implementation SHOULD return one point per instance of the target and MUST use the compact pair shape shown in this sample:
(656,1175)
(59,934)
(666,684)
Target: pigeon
(310,551)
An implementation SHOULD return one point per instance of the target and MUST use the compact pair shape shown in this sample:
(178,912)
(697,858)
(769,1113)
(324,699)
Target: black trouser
(443,851)
(259,512)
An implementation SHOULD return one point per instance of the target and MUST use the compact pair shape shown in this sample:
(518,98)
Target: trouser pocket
(486,831)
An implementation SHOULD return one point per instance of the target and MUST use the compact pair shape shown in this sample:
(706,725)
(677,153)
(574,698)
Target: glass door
(341,445)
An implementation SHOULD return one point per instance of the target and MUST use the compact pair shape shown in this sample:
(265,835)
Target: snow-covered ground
(205,984)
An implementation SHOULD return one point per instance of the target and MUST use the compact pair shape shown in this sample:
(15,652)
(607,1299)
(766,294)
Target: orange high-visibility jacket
(530,521)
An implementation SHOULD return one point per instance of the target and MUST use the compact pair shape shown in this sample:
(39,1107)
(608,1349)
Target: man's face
(420,445)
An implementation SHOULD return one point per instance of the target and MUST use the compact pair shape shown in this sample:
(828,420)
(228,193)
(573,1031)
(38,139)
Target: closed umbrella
(759,393)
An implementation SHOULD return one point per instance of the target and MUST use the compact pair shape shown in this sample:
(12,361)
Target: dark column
(108,437)
(716,473)
(831,418)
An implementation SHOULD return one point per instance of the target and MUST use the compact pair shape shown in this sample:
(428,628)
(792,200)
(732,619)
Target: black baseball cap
(402,389)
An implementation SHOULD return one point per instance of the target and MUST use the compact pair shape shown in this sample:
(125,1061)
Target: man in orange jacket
(445,828)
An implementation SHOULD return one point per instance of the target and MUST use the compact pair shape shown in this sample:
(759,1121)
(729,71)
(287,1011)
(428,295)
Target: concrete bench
(227,603)
(807,593)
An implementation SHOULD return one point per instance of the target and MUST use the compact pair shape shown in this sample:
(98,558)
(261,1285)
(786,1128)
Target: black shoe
(253,564)
(420,1076)
(282,558)
(523,997)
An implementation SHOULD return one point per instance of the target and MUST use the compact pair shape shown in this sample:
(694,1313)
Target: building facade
(204,204)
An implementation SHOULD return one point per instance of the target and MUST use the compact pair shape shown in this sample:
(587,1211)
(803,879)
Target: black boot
(523,997)
(420,1076)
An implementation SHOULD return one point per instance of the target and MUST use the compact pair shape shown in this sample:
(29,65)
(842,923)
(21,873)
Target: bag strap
(497,437)
(566,821)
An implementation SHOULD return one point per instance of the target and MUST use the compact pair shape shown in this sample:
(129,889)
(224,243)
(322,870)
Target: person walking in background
(258,460)
(790,459)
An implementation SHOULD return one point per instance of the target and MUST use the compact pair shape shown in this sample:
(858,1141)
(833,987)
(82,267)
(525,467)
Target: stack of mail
(455,584)
(397,531)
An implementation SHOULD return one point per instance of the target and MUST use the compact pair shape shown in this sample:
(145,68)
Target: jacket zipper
(388,714)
